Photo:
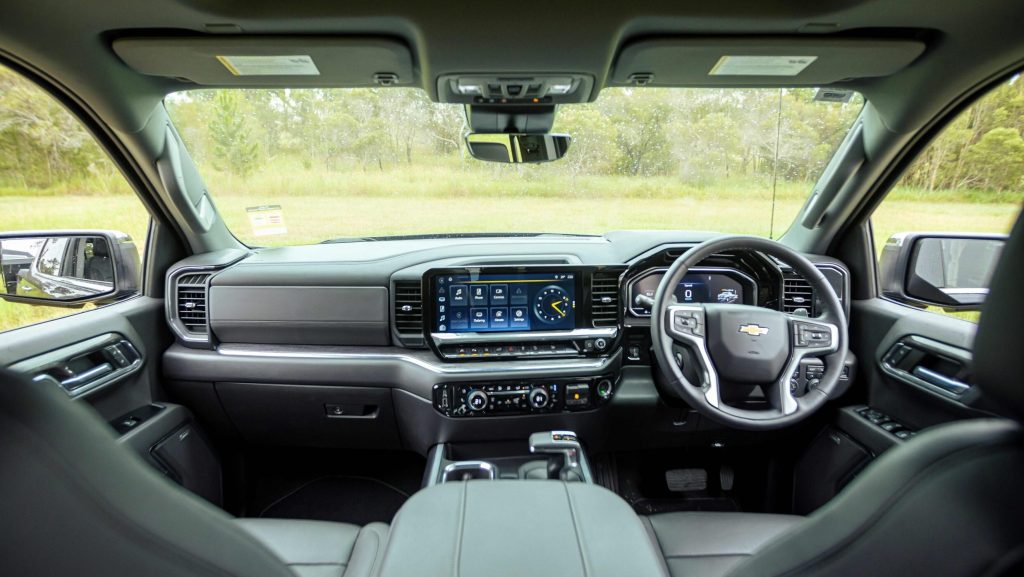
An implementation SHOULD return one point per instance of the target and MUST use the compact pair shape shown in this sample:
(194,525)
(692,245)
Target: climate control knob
(539,398)
(476,400)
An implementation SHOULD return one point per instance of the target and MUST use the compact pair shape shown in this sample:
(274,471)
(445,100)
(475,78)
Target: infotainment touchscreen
(486,302)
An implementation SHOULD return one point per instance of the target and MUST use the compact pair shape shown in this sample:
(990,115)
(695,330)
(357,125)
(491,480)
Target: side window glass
(970,179)
(53,176)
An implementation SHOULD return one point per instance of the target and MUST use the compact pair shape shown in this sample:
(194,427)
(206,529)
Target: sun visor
(268,61)
(759,61)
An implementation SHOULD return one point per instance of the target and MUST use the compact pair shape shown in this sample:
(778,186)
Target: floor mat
(357,500)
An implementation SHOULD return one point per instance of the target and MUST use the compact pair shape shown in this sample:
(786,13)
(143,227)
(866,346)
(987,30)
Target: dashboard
(434,331)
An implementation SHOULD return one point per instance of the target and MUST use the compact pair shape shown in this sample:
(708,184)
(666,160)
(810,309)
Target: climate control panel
(527,397)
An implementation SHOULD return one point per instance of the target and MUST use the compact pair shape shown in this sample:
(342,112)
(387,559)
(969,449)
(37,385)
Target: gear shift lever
(574,465)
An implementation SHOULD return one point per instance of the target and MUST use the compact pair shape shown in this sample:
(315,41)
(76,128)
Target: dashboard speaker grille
(191,299)
(604,304)
(797,294)
(409,312)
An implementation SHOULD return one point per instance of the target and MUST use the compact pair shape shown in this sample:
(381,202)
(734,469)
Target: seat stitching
(460,530)
(709,555)
(577,529)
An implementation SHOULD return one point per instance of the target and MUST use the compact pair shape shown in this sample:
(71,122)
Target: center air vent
(797,294)
(409,313)
(604,306)
(191,302)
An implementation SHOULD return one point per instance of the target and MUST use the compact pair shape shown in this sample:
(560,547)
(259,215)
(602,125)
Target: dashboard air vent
(797,294)
(604,304)
(409,312)
(191,299)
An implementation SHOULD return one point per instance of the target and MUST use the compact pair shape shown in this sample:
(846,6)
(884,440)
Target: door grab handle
(90,375)
(939,380)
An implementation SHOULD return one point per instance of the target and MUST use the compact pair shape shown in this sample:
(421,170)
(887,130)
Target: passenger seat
(75,502)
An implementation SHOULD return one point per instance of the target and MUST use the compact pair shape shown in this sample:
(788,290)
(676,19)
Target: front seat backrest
(948,503)
(74,502)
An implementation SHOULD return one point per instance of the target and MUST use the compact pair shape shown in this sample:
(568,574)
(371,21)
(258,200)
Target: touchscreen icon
(519,295)
(459,319)
(478,318)
(499,294)
(520,318)
(459,296)
(499,318)
(478,294)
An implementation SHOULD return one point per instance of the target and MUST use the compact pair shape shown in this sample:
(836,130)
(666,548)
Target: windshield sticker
(266,220)
(761,65)
(295,65)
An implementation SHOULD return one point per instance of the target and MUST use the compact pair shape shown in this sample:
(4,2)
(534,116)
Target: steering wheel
(732,345)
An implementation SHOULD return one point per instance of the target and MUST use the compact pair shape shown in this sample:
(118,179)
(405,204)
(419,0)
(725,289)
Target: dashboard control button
(477,400)
(577,395)
(600,344)
(539,398)
(604,388)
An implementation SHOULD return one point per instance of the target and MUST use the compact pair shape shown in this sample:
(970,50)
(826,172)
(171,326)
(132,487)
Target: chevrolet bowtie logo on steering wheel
(754,330)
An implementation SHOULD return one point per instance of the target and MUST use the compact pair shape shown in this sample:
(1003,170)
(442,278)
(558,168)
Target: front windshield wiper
(346,239)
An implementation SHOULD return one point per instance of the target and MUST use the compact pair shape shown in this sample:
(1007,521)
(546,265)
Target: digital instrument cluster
(700,285)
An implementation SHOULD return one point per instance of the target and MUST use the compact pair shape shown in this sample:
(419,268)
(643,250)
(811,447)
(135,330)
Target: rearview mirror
(64,268)
(951,271)
(516,148)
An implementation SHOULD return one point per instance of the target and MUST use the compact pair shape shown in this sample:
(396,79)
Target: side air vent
(797,294)
(191,302)
(409,313)
(604,294)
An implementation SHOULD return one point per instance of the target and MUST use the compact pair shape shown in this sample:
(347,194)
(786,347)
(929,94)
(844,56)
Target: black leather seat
(947,503)
(74,502)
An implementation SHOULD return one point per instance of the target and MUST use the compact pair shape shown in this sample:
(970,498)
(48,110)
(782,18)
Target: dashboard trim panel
(438,367)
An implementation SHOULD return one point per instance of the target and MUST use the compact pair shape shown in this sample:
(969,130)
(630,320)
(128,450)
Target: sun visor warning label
(294,65)
(761,65)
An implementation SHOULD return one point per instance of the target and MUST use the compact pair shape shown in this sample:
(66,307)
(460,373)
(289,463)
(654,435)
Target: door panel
(138,320)
(127,394)
(878,325)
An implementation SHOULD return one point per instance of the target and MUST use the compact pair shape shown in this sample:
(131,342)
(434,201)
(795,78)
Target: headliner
(967,41)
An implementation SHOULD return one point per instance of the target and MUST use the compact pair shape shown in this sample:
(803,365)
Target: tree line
(702,136)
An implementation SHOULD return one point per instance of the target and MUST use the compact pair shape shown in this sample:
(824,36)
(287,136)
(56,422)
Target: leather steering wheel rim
(673,324)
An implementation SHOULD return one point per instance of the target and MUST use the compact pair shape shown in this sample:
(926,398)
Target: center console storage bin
(307,415)
(518,529)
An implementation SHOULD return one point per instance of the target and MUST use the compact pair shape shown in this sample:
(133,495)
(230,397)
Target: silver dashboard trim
(325,352)
(513,337)
(664,269)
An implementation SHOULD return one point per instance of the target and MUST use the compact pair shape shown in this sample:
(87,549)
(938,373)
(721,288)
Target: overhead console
(487,313)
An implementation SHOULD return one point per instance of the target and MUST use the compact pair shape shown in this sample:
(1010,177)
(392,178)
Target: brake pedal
(686,480)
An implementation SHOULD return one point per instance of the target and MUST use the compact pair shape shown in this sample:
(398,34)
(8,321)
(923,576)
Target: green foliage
(234,149)
(998,159)
(41,145)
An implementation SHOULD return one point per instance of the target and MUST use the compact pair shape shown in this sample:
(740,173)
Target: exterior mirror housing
(517,148)
(68,268)
(951,271)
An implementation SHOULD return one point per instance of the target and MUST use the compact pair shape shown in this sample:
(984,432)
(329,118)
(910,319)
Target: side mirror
(68,268)
(951,271)
(517,148)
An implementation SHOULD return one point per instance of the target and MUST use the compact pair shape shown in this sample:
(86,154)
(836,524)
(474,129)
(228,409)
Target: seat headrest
(999,344)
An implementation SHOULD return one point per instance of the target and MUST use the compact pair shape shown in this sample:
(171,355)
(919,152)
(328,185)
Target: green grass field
(319,205)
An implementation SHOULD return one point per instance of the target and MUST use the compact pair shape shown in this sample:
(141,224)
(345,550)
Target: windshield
(305,166)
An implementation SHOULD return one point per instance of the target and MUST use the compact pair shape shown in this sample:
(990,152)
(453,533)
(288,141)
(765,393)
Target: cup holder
(468,471)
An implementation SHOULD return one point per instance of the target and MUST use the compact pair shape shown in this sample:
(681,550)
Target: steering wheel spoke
(686,325)
(810,338)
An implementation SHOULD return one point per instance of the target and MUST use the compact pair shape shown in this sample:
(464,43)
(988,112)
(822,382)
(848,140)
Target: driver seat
(947,503)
